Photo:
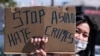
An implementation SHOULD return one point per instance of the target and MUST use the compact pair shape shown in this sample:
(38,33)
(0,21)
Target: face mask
(80,45)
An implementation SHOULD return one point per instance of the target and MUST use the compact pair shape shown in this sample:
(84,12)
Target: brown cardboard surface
(58,23)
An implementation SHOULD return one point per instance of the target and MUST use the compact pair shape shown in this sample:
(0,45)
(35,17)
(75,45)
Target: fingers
(45,39)
(38,53)
(37,40)
(32,40)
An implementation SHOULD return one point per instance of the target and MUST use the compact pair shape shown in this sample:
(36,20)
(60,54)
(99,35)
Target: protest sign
(21,24)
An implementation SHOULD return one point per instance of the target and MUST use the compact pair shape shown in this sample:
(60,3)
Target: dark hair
(90,50)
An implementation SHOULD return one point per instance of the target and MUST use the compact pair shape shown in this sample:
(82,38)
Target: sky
(40,2)
(56,2)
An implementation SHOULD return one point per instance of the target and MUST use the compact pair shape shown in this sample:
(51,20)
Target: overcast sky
(40,2)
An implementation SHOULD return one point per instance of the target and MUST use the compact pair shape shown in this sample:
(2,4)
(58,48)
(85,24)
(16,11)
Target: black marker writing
(14,38)
(17,36)
(54,17)
(26,15)
(41,14)
(15,17)
(33,17)
(58,33)
(25,34)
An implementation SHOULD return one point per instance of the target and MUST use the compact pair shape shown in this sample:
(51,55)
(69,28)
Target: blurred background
(89,7)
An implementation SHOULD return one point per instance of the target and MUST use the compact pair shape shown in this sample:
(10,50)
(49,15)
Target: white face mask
(80,45)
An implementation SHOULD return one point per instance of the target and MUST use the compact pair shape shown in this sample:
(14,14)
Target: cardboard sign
(21,24)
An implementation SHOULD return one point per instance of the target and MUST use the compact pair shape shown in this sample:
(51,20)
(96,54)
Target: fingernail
(39,39)
(31,40)
(35,39)
(46,40)
(43,39)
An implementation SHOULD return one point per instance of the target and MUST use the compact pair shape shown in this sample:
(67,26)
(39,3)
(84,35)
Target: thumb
(43,52)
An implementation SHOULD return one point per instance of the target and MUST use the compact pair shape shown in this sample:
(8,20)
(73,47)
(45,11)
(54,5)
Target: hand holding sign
(40,43)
